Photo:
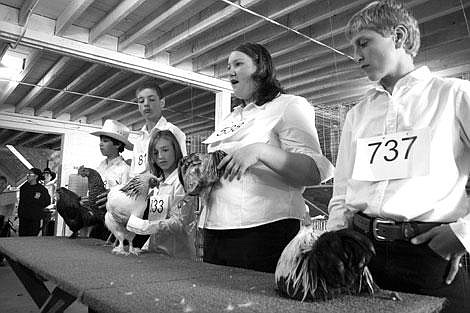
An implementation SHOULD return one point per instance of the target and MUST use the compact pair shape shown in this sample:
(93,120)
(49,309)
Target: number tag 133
(393,156)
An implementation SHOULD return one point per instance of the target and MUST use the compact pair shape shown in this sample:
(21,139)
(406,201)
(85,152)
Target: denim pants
(402,266)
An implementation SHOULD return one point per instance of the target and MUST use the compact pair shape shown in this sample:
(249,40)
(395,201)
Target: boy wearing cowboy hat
(113,139)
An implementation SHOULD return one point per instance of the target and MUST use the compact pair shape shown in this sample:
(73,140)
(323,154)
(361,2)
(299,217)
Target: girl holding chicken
(171,218)
(272,153)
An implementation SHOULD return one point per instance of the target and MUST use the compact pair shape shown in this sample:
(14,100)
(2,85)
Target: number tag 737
(392,156)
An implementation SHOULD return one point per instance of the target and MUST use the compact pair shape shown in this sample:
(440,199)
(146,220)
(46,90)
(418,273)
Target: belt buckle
(375,224)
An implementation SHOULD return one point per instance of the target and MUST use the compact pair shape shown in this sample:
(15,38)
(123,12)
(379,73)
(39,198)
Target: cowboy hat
(115,130)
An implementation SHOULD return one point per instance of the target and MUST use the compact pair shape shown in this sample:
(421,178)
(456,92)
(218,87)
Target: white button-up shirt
(114,172)
(139,163)
(261,196)
(419,100)
(171,222)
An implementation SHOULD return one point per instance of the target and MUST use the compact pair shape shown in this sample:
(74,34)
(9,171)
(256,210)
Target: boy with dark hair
(151,102)
(403,162)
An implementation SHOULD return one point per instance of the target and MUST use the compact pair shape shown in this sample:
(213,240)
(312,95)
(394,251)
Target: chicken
(198,173)
(322,265)
(124,201)
(76,215)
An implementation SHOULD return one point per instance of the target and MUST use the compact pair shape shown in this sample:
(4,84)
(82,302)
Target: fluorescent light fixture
(11,65)
(19,156)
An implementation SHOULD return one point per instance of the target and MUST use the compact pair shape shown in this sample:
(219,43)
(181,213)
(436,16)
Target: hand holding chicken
(124,201)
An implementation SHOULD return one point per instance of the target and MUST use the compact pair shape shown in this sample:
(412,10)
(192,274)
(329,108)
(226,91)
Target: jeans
(402,266)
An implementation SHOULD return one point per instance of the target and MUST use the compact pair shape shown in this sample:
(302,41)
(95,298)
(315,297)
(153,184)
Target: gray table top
(156,283)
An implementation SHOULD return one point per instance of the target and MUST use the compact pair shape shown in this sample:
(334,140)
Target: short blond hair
(382,17)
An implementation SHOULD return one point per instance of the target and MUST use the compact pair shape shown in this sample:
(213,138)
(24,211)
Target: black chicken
(74,214)
(318,265)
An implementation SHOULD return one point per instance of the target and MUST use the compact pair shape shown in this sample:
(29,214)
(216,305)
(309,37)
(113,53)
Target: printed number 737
(392,146)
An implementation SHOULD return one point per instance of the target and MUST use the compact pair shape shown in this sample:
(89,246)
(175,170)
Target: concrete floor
(15,299)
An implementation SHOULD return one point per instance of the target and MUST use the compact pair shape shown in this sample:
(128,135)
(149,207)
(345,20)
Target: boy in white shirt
(403,162)
(151,102)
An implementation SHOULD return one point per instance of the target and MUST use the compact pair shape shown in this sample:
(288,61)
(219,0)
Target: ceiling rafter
(52,74)
(24,10)
(257,30)
(114,17)
(115,95)
(70,14)
(31,139)
(270,34)
(127,39)
(12,138)
(215,19)
(70,87)
(81,100)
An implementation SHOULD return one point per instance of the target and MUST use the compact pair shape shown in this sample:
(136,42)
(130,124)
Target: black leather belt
(388,230)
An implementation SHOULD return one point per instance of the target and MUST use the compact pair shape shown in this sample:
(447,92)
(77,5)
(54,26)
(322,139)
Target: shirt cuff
(137,225)
(461,229)
(324,166)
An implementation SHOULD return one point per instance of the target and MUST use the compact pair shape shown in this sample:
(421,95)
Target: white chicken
(124,201)
(322,265)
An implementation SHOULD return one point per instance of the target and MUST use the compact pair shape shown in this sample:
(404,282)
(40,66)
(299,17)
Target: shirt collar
(421,73)
(171,178)
(114,161)
(161,123)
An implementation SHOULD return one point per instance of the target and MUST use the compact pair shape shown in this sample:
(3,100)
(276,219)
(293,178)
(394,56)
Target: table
(85,270)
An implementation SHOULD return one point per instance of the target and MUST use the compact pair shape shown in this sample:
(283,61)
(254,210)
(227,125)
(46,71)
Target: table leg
(35,287)
(58,301)
(48,302)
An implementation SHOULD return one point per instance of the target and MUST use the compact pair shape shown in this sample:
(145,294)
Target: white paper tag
(158,209)
(393,156)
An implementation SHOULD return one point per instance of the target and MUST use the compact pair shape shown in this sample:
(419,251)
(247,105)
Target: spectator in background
(50,181)
(3,209)
(34,198)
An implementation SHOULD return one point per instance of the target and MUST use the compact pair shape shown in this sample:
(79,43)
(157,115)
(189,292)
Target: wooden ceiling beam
(167,42)
(115,95)
(191,103)
(71,13)
(70,87)
(24,10)
(119,112)
(117,107)
(119,13)
(71,107)
(129,38)
(299,20)
(52,74)
(31,139)
(290,50)
(12,139)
